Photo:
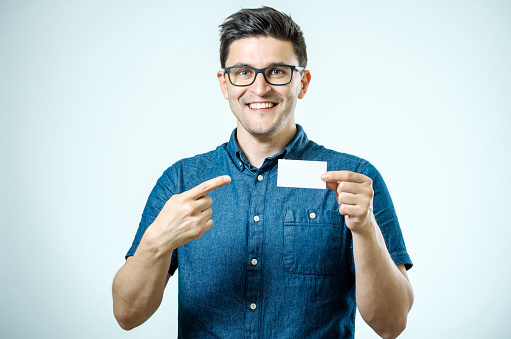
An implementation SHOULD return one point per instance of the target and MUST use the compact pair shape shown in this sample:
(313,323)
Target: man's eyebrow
(240,64)
(276,63)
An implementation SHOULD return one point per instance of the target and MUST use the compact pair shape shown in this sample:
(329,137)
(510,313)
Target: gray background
(98,98)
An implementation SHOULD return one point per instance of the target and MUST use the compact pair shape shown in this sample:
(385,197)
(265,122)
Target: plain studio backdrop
(98,98)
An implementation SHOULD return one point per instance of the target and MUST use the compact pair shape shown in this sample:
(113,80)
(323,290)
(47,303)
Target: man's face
(263,109)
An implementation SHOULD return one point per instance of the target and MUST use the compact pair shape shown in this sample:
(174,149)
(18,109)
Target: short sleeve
(161,193)
(386,217)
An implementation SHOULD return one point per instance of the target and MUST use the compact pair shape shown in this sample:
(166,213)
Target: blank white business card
(301,173)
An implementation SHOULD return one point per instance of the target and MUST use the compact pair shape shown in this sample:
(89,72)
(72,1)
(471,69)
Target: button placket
(255,238)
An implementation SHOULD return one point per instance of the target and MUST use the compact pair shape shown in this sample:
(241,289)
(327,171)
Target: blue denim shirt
(267,269)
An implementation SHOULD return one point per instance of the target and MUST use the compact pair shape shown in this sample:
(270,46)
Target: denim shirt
(278,261)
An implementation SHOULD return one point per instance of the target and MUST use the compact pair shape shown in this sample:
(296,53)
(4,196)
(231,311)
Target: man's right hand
(185,216)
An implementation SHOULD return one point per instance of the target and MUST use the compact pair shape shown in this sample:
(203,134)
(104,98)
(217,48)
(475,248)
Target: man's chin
(261,131)
(263,128)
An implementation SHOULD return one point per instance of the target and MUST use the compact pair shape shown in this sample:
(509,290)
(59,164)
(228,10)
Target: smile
(261,105)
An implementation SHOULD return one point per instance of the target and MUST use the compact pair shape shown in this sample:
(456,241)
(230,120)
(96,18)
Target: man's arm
(384,294)
(138,287)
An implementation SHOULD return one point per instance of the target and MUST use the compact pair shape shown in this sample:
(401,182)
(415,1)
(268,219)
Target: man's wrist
(151,244)
(366,230)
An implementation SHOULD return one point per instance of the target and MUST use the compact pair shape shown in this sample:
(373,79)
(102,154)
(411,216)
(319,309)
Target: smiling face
(263,110)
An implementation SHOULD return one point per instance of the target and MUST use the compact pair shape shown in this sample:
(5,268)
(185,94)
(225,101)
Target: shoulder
(336,160)
(207,159)
(188,172)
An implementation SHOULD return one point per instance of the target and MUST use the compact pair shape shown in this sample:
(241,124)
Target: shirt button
(256,218)
(260,177)
(312,215)
(253,306)
(240,163)
(254,261)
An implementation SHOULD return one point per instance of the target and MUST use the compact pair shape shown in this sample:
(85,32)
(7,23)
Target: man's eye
(243,72)
(278,72)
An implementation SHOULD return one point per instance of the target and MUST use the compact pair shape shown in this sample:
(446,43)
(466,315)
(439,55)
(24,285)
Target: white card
(301,173)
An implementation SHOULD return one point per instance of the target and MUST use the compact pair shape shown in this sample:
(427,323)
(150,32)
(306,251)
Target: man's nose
(260,86)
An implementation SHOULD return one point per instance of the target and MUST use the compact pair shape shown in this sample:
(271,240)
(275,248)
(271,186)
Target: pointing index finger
(204,188)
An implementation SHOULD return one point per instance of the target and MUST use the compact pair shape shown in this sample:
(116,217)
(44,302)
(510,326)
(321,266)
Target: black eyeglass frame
(262,70)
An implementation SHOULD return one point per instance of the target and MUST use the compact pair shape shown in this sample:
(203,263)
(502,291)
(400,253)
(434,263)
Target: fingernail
(323,176)
(227,178)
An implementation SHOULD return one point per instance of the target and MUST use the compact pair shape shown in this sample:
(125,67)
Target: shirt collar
(293,150)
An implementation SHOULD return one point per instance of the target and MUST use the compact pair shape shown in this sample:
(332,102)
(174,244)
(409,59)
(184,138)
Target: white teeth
(260,105)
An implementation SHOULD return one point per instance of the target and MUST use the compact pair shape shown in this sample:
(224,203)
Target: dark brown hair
(261,22)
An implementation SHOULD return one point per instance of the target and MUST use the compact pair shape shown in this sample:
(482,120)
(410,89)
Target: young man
(280,262)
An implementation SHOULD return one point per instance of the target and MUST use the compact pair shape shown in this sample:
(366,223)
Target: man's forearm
(138,287)
(384,294)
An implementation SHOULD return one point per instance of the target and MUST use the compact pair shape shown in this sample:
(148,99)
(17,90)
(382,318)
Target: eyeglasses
(277,75)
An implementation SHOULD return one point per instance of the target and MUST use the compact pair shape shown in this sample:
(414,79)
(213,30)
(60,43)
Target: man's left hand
(354,194)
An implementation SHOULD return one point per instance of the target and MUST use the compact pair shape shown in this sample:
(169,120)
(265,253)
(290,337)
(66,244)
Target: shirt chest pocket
(312,241)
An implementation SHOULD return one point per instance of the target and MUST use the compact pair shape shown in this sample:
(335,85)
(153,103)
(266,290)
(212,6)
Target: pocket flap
(324,217)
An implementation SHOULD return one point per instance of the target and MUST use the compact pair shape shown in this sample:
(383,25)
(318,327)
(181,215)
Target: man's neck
(257,148)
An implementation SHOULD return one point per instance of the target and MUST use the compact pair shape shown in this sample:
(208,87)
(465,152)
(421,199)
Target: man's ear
(305,81)
(223,85)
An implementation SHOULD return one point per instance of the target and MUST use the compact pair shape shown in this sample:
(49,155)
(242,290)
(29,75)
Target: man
(279,262)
